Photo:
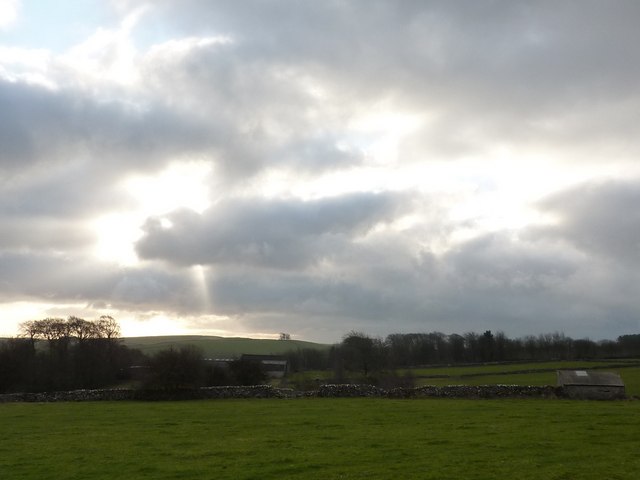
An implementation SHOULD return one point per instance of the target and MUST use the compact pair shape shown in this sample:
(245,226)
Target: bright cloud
(9,10)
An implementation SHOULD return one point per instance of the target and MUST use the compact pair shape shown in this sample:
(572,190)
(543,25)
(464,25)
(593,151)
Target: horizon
(538,335)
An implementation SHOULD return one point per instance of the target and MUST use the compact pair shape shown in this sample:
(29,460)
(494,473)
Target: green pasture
(219,347)
(538,378)
(630,376)
(321,439)
(458,370)
(540,373)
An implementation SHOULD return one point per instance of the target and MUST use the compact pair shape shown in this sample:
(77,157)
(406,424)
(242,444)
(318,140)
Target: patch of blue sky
(57,26)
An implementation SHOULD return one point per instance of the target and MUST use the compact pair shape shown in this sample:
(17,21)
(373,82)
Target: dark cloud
(519,284)
(46,128)
(516,51)
(600,219)
(529,77)
(43,234)
(74,188)
(54,277)
(273,233)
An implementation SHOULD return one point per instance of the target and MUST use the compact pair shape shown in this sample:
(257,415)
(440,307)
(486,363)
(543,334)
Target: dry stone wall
(72,396)
(267,391)
(482,391)
(258,391)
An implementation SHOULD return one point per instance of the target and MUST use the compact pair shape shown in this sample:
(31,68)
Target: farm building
(591,385)
(275,366)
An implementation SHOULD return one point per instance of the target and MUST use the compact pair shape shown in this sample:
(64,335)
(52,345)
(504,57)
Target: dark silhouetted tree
(175,369)
(247,372)
(361,353)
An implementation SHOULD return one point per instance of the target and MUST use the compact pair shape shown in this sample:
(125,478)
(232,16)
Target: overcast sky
(244,168)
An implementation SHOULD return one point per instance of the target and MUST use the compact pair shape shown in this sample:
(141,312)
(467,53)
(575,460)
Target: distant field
(541,373)
(631,377)
(322,439)
(458,370)
(509,374)
(219,347)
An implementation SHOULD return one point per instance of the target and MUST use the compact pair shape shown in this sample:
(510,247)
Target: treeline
(359,352)
(173,369)
(58,354)
(73,353)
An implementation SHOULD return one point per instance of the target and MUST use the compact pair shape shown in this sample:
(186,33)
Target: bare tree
(108,327)
(81,328)
(30,329)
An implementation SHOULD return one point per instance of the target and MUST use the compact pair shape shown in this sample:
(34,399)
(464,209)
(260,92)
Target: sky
(244,168)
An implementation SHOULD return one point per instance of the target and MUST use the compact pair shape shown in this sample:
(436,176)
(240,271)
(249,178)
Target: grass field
(489,375)
(541,373)
(219,347)
(459,370)
(322,439)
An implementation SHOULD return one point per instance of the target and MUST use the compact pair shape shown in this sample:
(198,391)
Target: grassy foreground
(321,438)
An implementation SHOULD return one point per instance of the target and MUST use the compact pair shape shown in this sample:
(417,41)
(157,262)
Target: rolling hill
(220,347)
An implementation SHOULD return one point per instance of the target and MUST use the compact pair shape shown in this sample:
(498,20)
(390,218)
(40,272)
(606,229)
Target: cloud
(269,115)
(65,157)
(273,233)
(67,278)
(48,234)
(515,55)
(54,127)
(485,79)
(364,165)
(521,283)
(488,284)
(599,218)
(9,10)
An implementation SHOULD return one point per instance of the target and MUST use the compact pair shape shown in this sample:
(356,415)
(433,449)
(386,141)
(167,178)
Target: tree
(218,376)
(108,328)
(81,353)
(17,358)
(247,372)
(487,346)
(584,348)
(307,359)
(472,346)
(174,369)
(456,347)
(81,328)
(362,353)
(629,344)
(399,349)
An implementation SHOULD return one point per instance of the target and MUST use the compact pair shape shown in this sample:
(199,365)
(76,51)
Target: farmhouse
(275,366)
(591,385)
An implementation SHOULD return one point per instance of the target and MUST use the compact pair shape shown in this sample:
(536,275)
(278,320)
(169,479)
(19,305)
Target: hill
(220,347)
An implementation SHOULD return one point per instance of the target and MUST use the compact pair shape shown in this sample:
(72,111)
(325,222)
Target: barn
(591,385)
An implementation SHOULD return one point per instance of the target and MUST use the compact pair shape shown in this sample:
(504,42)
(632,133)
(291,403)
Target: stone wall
(267,391)
(259,391)
(72,396)
(482,391)
(593,392)
(430,391)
